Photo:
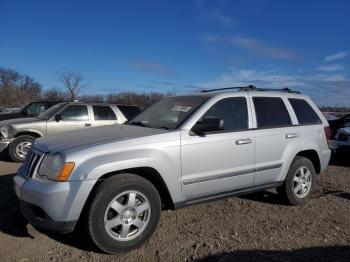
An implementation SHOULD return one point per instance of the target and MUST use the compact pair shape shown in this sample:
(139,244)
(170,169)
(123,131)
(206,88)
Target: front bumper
(37,217)
(4,143)
(52,205)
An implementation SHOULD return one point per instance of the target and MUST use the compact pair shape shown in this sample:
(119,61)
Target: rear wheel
(19,148)
(124,213)
(300,182)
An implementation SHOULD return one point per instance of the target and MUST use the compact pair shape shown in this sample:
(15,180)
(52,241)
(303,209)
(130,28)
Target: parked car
(30,110)
(18,134)
(129,111)
(341,142)
(330,116)
(181,151)
(341,122)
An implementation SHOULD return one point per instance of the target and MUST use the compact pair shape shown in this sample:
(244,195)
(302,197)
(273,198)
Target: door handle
(291,135)
(243,141)
(87,124)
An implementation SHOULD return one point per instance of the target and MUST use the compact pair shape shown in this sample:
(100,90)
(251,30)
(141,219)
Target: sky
(181,46)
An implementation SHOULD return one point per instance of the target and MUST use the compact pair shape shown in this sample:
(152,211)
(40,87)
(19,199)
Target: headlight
(53,167)
(4,130)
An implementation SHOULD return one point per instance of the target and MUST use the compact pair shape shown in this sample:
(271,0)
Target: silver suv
(18,134)
(180,151)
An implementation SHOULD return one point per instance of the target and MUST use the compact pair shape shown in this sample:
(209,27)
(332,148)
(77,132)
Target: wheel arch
(313,156)
(28,133)
(148,173)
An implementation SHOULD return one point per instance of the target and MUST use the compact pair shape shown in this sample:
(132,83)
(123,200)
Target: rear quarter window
(271,112)
(306,115)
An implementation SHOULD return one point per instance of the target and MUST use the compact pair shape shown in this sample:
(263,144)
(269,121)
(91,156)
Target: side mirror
(58,117)
(208,125)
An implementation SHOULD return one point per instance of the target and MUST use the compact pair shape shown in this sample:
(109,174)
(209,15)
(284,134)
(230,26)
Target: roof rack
(250,88)
(240,88)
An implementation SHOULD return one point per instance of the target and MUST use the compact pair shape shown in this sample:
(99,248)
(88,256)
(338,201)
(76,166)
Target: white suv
(180,151)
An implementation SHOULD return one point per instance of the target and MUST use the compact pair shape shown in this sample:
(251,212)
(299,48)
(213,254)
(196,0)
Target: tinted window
(304,112)
(129,111)
(31,109)
(103,113)
(271,112)
(233,111)
(75,112)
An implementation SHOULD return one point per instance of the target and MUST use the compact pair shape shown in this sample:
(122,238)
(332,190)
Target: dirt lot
(255,227)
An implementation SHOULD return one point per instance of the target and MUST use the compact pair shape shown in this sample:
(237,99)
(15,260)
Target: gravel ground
(256,227)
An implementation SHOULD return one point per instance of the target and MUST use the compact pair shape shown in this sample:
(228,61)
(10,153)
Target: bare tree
(17,89)
(72,82)
(92,98)
(53,94)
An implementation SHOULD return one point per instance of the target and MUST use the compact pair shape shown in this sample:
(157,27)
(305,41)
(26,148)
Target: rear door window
(306,115)
(103,113)
(271,112)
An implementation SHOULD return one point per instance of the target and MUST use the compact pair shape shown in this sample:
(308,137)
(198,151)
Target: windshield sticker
(181,108)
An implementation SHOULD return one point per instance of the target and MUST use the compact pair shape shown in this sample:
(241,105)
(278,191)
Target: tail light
(327,131)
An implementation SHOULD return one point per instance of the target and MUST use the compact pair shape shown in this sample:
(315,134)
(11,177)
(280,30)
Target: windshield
(168,113)
(51,111)
(18,110)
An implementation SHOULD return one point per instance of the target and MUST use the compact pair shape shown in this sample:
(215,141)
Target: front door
(73,117)
(219,162)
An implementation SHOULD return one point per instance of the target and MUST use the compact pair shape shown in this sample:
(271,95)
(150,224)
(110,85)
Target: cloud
(330,68)
(253,45)
(223,19)
(326,89)
(267,79)
(336,56)
(256,46)
(154,68)
(175,85)
(213,12)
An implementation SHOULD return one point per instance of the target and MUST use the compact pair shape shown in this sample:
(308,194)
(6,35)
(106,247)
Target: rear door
(219,162)
(275,137)
(103,115)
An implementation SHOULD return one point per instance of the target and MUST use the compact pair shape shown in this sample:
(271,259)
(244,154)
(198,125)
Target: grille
(32,160)
(343,137)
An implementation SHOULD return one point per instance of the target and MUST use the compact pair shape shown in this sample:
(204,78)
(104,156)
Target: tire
(19,147)
(297,190)
(108,205)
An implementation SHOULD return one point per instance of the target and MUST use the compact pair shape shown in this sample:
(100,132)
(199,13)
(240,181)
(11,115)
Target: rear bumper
(325,157)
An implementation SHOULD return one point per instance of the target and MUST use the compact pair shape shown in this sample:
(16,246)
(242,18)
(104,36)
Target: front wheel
(124,213)
(300,182)
(19,148)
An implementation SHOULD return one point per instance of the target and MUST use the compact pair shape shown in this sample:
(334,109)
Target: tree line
(17,89)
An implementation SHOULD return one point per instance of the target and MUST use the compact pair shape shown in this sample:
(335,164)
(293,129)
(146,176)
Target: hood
(344,130)
(20,121)
(6,115)
(92,136)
